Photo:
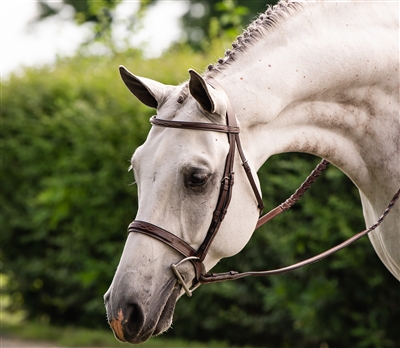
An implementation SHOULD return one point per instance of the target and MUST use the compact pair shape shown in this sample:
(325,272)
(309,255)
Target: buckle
(174,267)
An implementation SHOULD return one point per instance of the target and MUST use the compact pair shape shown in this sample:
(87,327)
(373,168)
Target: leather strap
(194,125)
(232,130)
(164,236)
(233,121)
(294,198)
(227,179)
(233,275)
(168,238)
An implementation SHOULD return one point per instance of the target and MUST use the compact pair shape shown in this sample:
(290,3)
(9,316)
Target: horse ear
(149,92)
(208,98)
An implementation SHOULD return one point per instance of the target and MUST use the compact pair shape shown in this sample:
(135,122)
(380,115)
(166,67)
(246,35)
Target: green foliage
(67,135)
(210,19)
(97,12)
(84,10)
(204,21)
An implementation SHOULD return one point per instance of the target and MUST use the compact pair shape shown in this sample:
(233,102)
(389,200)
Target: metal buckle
(174,268)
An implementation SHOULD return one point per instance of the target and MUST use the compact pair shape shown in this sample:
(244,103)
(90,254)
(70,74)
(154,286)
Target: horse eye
(197,179)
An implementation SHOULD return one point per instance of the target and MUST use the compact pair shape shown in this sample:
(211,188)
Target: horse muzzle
(135,319)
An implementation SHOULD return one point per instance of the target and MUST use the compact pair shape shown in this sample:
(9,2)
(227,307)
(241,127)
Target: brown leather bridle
(196,257)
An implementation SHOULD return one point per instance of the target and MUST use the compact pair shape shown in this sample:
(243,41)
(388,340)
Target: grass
(80,337)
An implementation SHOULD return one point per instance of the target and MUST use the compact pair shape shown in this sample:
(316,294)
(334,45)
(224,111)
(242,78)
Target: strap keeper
(232,178)
(246,166)
(224,211)
(224,179)
(226,182)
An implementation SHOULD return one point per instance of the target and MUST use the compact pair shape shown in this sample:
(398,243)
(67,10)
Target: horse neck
(317,85)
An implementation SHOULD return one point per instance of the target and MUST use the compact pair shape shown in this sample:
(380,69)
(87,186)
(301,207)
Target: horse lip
(165,319)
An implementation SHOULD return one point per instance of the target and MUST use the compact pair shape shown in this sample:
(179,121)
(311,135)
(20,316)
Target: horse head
(179,173)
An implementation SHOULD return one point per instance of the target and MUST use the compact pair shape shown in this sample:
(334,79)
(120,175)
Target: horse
(313,77)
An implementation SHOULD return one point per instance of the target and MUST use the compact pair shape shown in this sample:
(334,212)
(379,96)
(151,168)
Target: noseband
(196,257)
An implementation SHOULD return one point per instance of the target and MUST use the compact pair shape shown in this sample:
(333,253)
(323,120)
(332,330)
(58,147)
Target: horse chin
(135,326)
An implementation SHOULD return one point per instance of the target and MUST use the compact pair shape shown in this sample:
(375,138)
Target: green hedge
(67,135)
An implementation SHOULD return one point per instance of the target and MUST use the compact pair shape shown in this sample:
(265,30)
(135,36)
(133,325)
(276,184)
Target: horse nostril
(133,322)
(134,314)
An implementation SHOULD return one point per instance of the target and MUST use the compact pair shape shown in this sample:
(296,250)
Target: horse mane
(270,19)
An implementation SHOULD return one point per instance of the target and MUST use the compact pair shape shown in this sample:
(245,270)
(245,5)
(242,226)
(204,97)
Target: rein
(196,257)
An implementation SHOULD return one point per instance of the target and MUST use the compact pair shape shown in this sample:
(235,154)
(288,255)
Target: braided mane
(265,21)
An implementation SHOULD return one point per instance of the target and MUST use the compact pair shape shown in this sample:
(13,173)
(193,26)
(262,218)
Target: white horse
(320,78)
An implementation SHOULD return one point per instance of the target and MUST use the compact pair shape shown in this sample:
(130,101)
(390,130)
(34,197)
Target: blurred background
(68,129)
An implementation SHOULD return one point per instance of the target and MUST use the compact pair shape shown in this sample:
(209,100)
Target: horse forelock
(269,20)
